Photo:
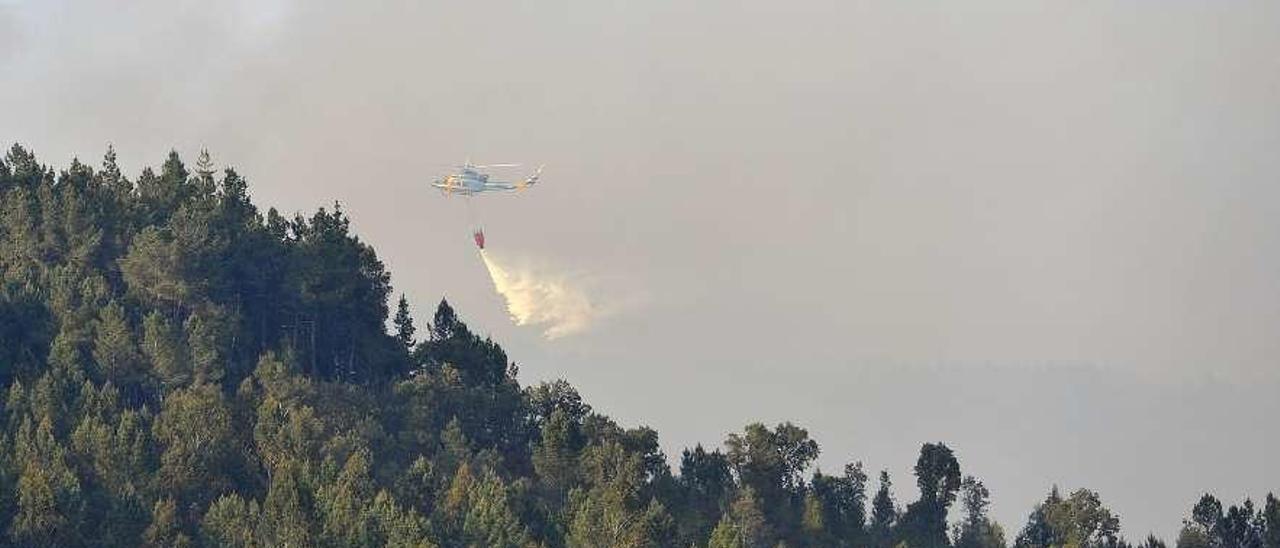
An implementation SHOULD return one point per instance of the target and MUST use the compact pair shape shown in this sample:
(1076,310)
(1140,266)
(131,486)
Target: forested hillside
(181,368)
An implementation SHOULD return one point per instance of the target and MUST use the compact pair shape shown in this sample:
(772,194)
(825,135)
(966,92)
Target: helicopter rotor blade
(497,165)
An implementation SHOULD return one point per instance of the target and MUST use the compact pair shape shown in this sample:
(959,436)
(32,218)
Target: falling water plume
(542,299)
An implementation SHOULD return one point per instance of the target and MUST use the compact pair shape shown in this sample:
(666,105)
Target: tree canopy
(181,368)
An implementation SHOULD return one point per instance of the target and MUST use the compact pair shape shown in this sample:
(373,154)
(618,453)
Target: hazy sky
(1047,234)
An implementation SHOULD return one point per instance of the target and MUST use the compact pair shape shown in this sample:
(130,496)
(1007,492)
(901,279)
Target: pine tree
(1270,518)
(404,324)
(50,498)
(208,334)
(976,530)
(343,504)
(749,521)
(114,350)
(884,513)
(204,173)
(477,511)
(609,510)
(455,448)
(200,458)
(163,347)
(725,535)
(286,520)
(397,525)
(111,172)
(165,530)
(555,457)
(445,322)
(813,521)
(232,522)
(418,485)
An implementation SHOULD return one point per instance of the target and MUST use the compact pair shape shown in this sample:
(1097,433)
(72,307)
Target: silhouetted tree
(884,513)
(404,324)
(938,477)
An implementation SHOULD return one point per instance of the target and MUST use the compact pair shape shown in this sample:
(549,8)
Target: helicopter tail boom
(533,179)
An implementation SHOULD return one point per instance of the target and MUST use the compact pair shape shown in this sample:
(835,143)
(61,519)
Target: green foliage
(748,522)
(725,535)
(50,501)
(611,510)
(114,349)
(153,269)
(1191,537)
(26,331)
(163,346)
(1079,520)
(165,530)
(772,464)
(1238,525)
(705,486)
(287,509)
(199,460)
(884,513)
(478,511)
(835,508)
(182,369)
(404,325)
(209,333)
(342,503)
(233,522)
(976,530)
(555,457)
(397,526)
(938,476)
(115,453)
(1269,522)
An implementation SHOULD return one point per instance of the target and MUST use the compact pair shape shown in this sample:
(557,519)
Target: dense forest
(183,369)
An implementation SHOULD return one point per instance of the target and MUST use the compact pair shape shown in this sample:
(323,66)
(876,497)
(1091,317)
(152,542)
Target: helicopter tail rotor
(533,179)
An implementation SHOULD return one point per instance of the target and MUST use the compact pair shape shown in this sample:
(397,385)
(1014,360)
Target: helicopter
(469,181)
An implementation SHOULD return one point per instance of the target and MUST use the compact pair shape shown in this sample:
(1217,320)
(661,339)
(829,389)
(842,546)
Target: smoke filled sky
(1047,234)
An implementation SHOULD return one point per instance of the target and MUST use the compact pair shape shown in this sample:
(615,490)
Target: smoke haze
(1046,233)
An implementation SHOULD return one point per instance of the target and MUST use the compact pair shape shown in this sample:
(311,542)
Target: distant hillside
(181,368)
